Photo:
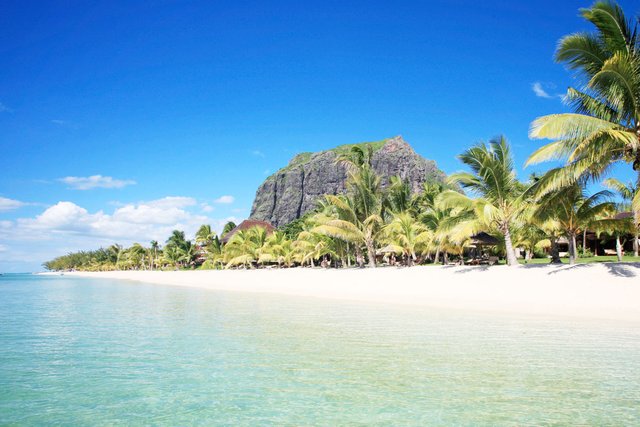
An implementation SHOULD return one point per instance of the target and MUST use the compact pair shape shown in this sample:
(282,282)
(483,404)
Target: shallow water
(102,352)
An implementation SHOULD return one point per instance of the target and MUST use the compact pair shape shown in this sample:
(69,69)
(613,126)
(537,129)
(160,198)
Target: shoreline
(595,291)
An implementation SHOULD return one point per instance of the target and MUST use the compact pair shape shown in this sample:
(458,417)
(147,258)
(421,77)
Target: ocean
(77,351)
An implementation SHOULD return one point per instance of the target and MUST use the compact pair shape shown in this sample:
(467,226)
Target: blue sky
(121,120)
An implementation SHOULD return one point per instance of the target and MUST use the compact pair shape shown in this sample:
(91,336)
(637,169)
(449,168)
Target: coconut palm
(230,225)
(244,247)
(627,192)
(154,253)
(171,256)
(574,210)
(605,127)
(493,180)
(407,235)
(136,255)
(613,224)
(115,253)
(357,216)
(352,226)
(177,239)
(398,198)
(205,235)
(314,246)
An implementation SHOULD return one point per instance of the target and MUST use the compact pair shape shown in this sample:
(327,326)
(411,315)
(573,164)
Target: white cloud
(9,204)
(546,90)
(539,90)
(206,207)
(129,223)
(224,200)
(257,153)
(94,181)
(66,227)
(3,248)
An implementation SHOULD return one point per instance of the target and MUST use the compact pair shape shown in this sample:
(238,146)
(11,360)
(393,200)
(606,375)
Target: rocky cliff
(293,190)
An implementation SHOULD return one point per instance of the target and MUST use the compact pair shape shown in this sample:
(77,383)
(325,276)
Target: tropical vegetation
(385,221)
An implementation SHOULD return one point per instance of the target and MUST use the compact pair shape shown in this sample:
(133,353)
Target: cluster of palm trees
(391,223)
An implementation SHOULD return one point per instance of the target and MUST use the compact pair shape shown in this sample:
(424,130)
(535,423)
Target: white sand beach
(598,291)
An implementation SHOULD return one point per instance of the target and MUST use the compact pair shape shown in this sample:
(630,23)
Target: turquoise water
(101,352)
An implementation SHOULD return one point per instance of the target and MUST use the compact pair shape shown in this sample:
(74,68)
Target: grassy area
(588,260)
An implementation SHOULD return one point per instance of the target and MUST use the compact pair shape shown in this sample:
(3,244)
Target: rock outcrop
(294,190)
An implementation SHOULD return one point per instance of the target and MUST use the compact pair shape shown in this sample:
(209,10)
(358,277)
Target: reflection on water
(80,351)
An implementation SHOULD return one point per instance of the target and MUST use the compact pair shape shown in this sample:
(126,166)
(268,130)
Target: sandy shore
(600,291)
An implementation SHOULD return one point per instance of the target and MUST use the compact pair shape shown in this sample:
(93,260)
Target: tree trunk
(572,248)
(371,253)
(436,258)
(359,257)
(511,256)
(618,248)
(445,258)
(584,242)
(636,222)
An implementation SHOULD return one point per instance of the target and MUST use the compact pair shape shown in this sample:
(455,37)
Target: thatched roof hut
(623,215)
(483,239)
(247,224)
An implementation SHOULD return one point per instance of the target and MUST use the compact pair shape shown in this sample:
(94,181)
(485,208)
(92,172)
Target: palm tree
(351,226)
(398,197)
(614,225)
(135,256)
(313,246)
(274,248)
(407,235)
(205,235)
(574,210)
(170,256)
(244,247)
(177,239)
(493,180)
(605,127)
(154,248)
(627,192)
(230,225)
(115,252)
(358,214)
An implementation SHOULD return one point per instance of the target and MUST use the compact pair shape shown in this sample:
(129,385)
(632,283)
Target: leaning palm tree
(605,127)
(627,193)
(493,180)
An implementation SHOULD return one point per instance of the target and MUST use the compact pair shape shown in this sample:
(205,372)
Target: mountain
(294,190)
